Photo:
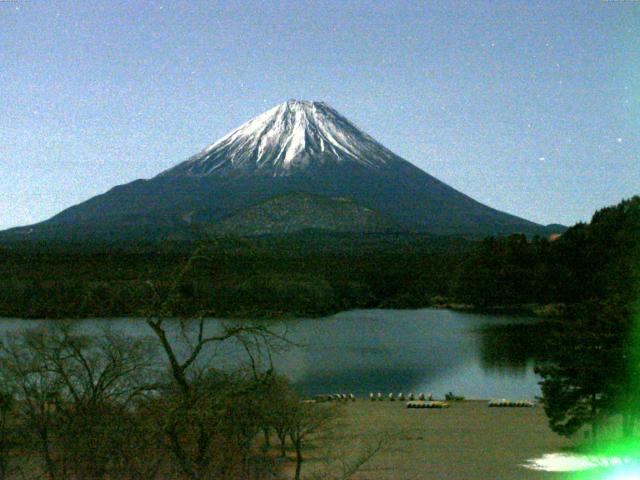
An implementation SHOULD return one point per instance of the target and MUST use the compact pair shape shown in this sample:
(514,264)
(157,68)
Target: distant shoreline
(549,311)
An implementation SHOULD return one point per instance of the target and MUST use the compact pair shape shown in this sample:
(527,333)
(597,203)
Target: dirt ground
(467,441)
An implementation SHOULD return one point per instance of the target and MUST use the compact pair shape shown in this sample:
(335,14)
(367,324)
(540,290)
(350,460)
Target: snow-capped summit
(292,136)
(291,166)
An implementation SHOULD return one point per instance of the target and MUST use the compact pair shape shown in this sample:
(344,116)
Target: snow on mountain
(292,136)
(297,147)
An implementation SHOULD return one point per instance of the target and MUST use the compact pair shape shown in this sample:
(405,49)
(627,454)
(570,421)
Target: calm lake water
(360,351)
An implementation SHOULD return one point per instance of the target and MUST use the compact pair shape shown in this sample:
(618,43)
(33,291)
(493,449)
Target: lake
(362,351)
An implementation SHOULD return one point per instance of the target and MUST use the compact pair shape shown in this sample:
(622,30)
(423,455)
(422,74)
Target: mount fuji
(292,137)
(296,148)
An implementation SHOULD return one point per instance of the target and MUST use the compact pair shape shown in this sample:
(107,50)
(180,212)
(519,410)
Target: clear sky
(530,107)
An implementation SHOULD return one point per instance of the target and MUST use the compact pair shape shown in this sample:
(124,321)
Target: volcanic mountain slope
(297,146)
(302,211)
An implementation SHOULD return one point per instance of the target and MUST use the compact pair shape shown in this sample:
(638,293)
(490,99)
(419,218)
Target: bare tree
(199,393)
(73,392)
(278,403)
(308,420)
(25,370)
(192,412)
(342,458)
(319,427)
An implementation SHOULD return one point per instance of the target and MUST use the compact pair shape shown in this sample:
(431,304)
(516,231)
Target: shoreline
(539,311)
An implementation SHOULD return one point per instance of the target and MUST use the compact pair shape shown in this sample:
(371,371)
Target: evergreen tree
(586,376)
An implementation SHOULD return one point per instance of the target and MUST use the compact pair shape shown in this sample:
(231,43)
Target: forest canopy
(317,273)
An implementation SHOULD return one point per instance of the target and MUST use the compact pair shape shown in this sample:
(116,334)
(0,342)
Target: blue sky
(530,107)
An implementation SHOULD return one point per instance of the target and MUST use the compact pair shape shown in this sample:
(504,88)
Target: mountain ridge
(296,146)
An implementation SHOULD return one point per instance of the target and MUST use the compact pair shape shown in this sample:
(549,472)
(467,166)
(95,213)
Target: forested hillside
(591,375)
(588,261)
(316,273)
(305,274)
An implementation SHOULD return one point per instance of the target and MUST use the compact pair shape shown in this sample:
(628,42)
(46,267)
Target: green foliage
(314,273)
(301,294)
(509,271)
(304,274)
(588,261)
(595,367)
(581,382)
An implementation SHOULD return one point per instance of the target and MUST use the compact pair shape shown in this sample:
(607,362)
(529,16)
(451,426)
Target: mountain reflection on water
(362,351)
(430,351)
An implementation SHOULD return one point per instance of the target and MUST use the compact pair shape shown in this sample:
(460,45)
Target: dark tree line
(262,277)
(318,274)
(508,271)
(593,374)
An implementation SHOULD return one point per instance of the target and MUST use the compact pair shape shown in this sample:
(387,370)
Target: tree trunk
(283,444)
(298,444)
(44,445)
(3,468)
(267,438)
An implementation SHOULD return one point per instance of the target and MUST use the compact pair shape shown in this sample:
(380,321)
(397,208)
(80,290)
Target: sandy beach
(467,441)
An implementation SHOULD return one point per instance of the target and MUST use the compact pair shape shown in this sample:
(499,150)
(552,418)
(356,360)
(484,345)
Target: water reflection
(430,351)
(513,347)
